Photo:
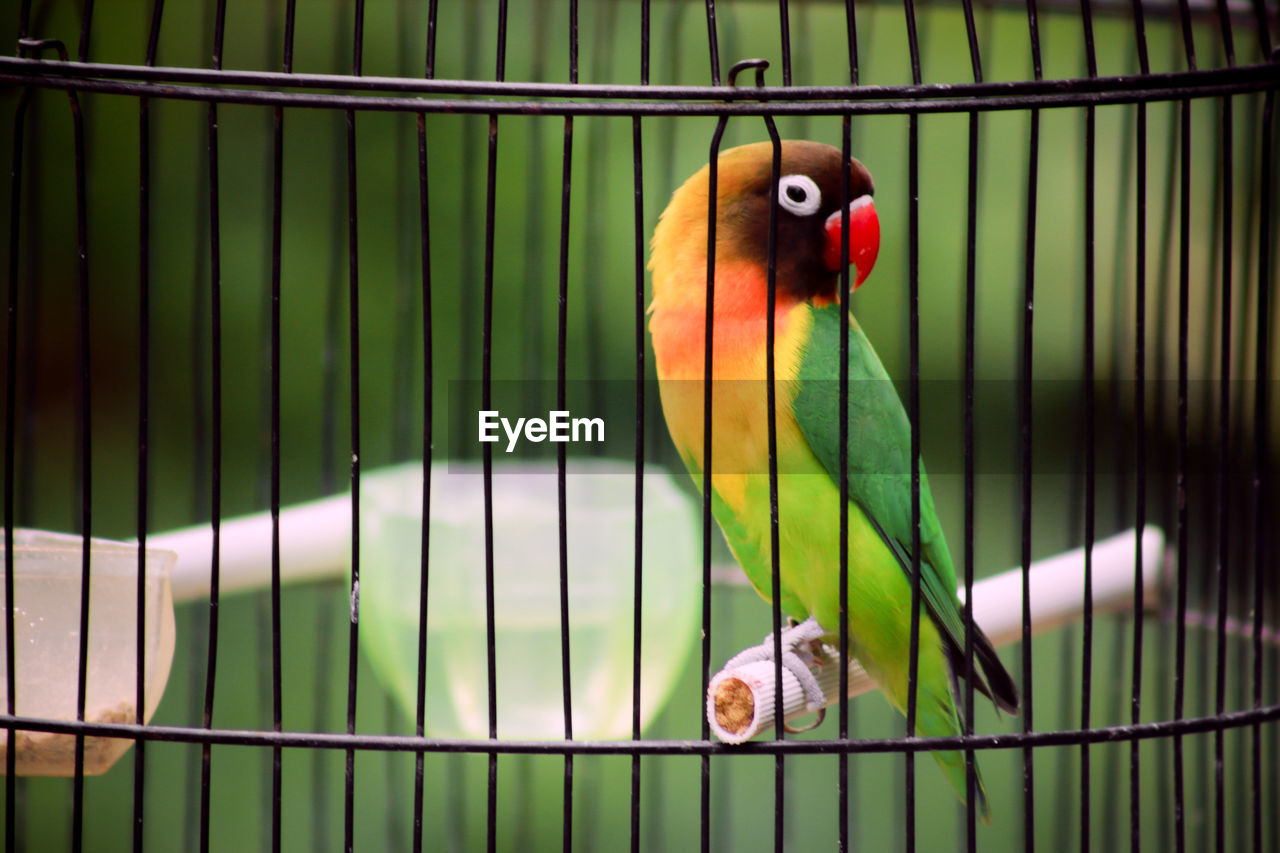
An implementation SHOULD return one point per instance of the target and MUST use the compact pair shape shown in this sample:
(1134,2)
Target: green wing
(879,474)
(879,456)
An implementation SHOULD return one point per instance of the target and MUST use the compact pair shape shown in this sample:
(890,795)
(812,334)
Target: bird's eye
(799,195)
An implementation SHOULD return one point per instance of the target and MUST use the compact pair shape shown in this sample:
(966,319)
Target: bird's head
(811,228)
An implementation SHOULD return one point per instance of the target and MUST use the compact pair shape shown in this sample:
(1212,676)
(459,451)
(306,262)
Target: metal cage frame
(43,63)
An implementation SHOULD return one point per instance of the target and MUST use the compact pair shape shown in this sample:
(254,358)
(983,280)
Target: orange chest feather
(739,392)
(739,333)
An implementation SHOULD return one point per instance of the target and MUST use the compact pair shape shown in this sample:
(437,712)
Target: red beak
(863,238)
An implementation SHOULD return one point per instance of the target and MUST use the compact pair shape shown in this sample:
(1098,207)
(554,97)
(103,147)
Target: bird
(811,232)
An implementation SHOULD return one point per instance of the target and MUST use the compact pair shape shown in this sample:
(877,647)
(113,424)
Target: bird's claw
(797,644)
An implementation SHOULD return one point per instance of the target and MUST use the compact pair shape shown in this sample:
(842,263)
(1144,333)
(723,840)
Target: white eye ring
(799,195)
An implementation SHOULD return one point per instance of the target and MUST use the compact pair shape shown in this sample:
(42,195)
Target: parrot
(807,327)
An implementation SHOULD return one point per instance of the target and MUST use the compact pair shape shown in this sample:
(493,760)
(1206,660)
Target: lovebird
(806,359)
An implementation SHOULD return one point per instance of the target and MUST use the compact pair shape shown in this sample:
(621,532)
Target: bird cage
(270,265)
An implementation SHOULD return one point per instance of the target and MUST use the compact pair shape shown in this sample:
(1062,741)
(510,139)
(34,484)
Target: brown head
(810,230)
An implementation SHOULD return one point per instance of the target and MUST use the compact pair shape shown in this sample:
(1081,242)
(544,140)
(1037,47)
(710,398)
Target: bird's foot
(798,647)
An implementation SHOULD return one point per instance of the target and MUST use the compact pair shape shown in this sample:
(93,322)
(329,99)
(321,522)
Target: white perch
(740,702)
(315,542)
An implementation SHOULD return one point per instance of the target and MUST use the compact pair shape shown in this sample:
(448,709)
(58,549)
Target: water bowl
(46,595)
(600,511)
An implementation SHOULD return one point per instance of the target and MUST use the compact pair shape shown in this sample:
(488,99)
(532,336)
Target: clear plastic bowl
(46,580)
(600,499)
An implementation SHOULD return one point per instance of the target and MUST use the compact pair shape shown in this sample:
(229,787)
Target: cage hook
(742,65)
(30,45)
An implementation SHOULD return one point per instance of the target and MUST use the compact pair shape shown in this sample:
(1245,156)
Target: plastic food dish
(46,581)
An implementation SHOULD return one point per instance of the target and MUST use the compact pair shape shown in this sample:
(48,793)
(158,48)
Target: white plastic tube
(315,542)
(740,702)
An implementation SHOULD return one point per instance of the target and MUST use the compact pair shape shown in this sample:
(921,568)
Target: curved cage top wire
(268,251)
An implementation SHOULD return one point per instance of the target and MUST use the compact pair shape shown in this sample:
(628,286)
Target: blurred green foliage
(315,382)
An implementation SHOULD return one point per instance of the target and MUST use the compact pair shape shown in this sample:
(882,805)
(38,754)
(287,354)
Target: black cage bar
(257,253)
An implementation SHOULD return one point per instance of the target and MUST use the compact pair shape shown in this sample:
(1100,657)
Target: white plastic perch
(740,701)
(315,542)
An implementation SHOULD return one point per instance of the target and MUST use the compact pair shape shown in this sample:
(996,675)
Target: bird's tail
(937,716)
